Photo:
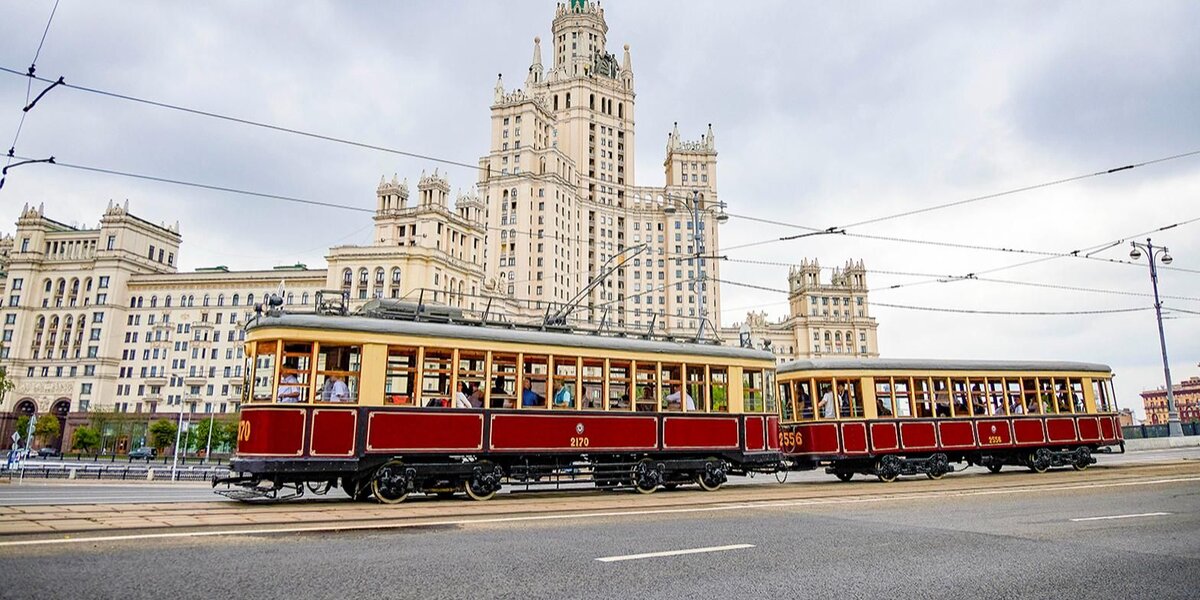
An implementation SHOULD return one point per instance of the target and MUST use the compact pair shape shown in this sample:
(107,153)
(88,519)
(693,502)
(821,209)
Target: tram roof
(504,334)
(924,364)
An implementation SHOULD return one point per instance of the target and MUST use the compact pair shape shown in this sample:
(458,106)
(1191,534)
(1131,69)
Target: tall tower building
(561,200)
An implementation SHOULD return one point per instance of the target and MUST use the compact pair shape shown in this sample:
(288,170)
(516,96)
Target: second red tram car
(886,417)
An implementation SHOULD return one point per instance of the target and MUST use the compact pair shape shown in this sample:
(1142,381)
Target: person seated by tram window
(882,409)
(565,396)
(461,397)
(844,399)
(677,396)
(645,401)
(622,402)
(476,395)
(530,397)
(1016,408)
(335,390)
(827,406)
(289,385)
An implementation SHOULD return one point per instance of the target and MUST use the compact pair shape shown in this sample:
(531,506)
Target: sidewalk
(1162,443)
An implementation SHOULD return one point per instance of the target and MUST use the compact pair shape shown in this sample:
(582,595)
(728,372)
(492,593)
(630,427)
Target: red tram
(393,407)
(889,418)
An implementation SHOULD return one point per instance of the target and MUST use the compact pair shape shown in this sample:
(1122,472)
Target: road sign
(16,437)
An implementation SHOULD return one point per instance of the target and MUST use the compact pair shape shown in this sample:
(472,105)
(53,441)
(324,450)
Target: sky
(825,115)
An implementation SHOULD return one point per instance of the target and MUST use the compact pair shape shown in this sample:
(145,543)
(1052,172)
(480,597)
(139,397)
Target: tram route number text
(580,442)
(995,439)
(789,439)
(243,432)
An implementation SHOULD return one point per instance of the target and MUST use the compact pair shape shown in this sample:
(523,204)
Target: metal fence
(163,459)
(1134,432)
(114,472)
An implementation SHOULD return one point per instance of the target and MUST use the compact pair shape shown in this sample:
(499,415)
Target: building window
(103,282)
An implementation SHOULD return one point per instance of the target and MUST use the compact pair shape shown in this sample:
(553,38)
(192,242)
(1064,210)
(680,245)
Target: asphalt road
(1135,541)
(36,491)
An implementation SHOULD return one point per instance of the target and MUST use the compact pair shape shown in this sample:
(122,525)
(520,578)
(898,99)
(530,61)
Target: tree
(47,428)
(221,434)
(23,427)
(86,439)
(162,433)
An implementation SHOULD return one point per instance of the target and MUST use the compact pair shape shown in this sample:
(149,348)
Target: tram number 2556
(580,442)
(995,439)
(243,432)
(790,439)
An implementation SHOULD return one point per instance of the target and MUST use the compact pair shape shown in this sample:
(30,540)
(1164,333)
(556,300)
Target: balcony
(156,380)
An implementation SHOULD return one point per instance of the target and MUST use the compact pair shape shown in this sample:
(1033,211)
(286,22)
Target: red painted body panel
(1061,429)
(1107,430)
(772,433)
(271,431)
(685,433)
(1089,429)
(418,431)
(885,437)
(854,437)
(817,438)
(1028,431)
(755,434)
(918,435)
(573,432)
(993,433)
(333,431)
(956,435)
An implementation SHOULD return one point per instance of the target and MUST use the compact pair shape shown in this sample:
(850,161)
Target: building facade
(1187,400)
(825,319)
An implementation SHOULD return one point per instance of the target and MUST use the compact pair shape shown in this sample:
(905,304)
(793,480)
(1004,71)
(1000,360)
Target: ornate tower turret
(434,191)
(536,72)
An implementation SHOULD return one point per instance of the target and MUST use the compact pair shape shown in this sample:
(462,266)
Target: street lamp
(1174,427)
(693,204)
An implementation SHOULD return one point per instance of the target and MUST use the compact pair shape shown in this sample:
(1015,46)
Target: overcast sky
(825,114)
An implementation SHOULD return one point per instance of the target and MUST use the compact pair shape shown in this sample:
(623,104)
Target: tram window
(1030,395)
(1045,396)
(1100,391)
(851,398)
(593,384)
(883,397)
(785,401)
(996,402)
(752,390)
(718,389)
(533,392)
(901,388)
(827,406)
(294,382)
(1077,395)
(941,398)
(619,380)
(671,377)
(503,392)
(400,381)
(646,383)
(436,371)
(769,391)
(1013,395)
(804,399)
(566,379)
(695,389)
(958,389)
(264,371)
(472,376)
(978,397)
(1062,397)
(337,372)
(922,398)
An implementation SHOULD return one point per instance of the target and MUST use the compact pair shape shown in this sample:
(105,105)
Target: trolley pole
(1174,426)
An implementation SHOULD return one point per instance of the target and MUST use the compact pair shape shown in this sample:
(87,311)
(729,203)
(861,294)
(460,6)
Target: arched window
(154,301)
(290,297)
(167,301)
(378,275)
(620,110)
(347,277)
(249,299)
(205,300)
(139,302)
(133,302)
(827,336)
(362,276)
(592,101)
(395,276)
(220,299)
(304,298)
(191,300)
(235,299)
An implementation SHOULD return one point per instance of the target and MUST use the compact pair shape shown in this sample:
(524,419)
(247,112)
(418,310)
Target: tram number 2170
(580,442)
(243,431)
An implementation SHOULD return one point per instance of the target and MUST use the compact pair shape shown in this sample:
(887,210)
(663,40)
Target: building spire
(627,63)
(499,91)
(535,68)
(710,140)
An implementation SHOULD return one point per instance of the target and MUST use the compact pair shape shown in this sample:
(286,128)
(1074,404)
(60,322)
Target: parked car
(48,452)
(144,453)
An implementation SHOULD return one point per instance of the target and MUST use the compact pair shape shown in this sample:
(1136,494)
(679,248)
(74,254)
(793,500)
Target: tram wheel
(484,482)
(319,488)
(887,468)
(995,467)
(844,475)
(1083,458)
(647,476)
(939,465)
(713,476)
(391,483)
(1038,460)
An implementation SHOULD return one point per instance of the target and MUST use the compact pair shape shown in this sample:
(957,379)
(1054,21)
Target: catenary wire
(29,84)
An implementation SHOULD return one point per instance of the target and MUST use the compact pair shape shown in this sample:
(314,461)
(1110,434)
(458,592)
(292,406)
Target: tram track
(51,522)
